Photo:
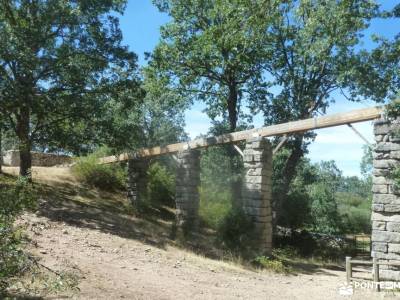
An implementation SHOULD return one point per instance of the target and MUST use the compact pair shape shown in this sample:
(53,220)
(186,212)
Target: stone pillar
(187,189)
(137,181)
(257,191)
(386,199)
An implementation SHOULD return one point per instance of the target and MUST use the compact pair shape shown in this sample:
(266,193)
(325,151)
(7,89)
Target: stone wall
(137,181)
(257,191)
(187,189)
(39,159)
(386,198)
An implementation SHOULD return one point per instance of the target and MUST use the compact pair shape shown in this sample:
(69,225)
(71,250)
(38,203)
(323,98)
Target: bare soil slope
(118,256)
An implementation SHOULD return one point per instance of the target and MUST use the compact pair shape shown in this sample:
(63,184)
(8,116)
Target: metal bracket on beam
(237,148)
(281,143)
(360,135)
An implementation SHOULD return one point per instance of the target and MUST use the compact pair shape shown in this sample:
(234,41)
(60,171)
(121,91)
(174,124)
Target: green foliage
(324,209)
(272,264)
(15,197)
(214,52)
(235,231)
(215,205)
(72,67)
(366,162)
(322,200)
(161,185)
(103,176)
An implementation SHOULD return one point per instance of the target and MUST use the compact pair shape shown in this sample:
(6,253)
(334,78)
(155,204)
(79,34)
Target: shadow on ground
(109,212)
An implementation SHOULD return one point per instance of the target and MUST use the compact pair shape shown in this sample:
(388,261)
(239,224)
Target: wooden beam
(360,135)
(354,116)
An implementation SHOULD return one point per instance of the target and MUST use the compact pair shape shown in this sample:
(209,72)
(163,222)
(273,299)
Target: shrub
(161,185)
(14,198)
(103,176)
(235,231)
(214,206)
(272,264)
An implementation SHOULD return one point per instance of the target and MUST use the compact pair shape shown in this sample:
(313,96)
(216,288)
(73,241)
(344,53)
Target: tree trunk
(236,186)
(288,174)
(23,124)
(232,107)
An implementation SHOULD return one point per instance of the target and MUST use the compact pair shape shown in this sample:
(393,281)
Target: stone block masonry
(257,191)
(39,159)
(386,198)
(137,181)
(187,189)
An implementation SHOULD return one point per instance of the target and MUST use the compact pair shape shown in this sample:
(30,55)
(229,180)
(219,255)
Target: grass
(109,211)
(109,177)
(214,206)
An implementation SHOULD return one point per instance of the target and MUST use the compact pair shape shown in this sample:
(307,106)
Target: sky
(140,25)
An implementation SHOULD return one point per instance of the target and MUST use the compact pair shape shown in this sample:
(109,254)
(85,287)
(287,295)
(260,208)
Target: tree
(162,119)
(61,62)
(378,71)
(312,48)
(214,52)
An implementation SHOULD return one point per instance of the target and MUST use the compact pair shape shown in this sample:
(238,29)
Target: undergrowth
(103,176)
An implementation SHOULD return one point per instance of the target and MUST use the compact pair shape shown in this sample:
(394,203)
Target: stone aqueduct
(257,181)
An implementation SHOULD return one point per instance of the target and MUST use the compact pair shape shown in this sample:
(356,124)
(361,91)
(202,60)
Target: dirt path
(117,258)
(113,267)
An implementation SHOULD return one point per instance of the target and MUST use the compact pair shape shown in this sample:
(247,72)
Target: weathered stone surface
(380,247)
(380,188)
(256,191)
(385,198)
(388,255)
(39,159)
(386,201)
(381,129)
(386,217)
(378,225)
(381,172)
(395,154)
(389,275)
(394,248)
(387,146)
(379,137)
(381,180)
(187,189)
(385,164)
(393,226)
(385,236)
(137,181)
(378,207)
(392,208)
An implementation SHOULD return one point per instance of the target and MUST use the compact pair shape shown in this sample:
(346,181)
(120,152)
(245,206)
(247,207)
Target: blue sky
(140,25)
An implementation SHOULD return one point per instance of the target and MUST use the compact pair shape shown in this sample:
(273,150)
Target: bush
(103,176)
(235,230)
(14,198)
(214,206)
(272,264)
(161,185)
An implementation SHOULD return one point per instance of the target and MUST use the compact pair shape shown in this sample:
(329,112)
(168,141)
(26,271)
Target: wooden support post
(238,150)
(281,143)
(360,135)
(348,269)
(375,268)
